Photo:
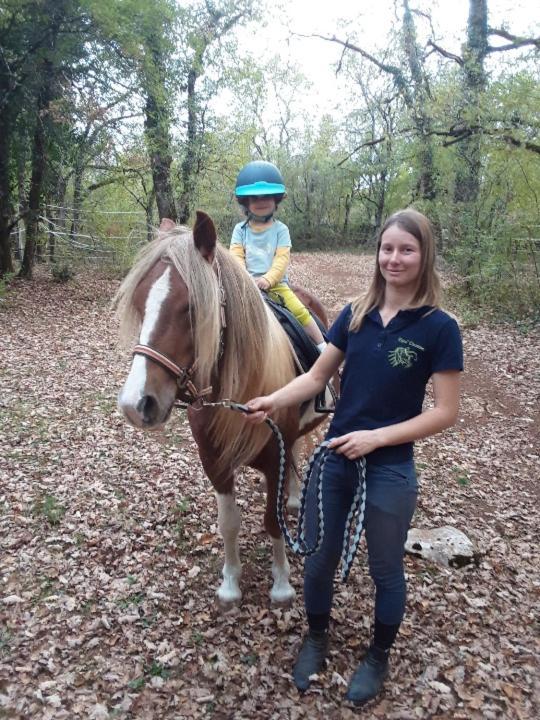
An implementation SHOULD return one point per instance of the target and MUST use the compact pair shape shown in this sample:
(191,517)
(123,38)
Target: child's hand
(262,283)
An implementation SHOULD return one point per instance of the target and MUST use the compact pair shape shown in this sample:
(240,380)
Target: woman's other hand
(355,444)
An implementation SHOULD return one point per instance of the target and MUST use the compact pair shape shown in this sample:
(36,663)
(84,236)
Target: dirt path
(109,552)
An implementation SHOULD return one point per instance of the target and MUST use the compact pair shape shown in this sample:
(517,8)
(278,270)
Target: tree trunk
(469,151)
(188,165)
(149,210)
(158,142)
(34,199)
(157,132)
(425,184)
(22,203)
(78,176)
(474,83)
(57,214)
(380,207)
(6,259)
(46,76)
(348,204)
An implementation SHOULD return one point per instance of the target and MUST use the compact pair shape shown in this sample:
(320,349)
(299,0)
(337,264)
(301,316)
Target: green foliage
(50,508)
(132,106)
(4,285)
(62,273)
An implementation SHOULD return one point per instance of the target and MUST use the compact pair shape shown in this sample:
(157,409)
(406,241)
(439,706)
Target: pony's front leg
(282,591)
(229,527)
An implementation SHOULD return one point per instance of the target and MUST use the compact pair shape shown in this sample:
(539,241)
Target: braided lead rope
(355,517)
(299,545)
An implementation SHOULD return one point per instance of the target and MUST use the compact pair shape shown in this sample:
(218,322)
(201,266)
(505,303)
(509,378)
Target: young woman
(393,340)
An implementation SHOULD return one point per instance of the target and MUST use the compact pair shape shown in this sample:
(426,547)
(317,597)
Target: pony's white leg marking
(282,591)
(229,527)
(133,388)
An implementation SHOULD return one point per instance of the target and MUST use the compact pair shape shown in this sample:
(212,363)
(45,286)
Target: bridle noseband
(187,391)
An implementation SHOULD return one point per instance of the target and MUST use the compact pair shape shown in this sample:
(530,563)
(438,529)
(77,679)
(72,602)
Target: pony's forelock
(129,322)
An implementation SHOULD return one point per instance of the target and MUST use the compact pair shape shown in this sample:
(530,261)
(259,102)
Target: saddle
(305,350)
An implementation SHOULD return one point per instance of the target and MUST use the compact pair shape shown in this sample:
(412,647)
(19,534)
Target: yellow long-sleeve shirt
(265,253)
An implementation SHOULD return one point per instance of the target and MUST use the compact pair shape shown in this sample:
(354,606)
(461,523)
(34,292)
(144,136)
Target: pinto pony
(204,330)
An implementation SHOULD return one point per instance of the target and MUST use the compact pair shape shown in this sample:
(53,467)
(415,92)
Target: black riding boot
(369,676)
(311,658)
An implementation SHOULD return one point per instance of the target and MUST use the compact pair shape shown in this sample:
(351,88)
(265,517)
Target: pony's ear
(205,235)
(167,224)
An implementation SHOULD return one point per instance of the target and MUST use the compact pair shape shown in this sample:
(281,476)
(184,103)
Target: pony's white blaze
(133,388)
(229,527)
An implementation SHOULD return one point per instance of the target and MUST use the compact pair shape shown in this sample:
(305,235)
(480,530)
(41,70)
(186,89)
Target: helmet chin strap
(259,218)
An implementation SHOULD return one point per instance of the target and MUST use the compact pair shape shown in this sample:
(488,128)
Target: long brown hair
(428,290)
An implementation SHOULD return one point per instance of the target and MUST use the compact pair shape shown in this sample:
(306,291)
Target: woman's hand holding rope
(356,444)
(259,408)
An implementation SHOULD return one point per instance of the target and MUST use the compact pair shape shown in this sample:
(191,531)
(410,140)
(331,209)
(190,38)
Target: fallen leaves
(110,555)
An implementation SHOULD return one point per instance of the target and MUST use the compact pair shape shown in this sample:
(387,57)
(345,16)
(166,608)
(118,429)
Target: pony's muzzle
(148,409)
(146,413)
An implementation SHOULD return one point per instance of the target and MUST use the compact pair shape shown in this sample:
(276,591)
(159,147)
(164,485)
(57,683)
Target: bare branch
(349,46)
(340,63)
(445,53)
(399,78)
(369,143)
(521,143)
(426,16)
(515,41)
(497,134)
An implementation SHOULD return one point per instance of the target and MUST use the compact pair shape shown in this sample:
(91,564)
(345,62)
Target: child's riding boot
(369,676)
(311,658)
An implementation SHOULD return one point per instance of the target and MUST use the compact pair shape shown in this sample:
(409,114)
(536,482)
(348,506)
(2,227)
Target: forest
(117,114)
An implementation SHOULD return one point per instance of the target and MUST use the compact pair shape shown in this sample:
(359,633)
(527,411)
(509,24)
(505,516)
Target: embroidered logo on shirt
(410,343)
(402,357)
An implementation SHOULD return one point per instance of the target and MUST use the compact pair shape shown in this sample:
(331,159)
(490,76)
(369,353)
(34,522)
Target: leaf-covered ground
(110,556)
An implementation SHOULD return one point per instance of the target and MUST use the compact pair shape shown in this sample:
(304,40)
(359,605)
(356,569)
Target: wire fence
(100,237)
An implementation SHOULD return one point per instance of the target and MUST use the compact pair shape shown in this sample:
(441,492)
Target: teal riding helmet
(260,178)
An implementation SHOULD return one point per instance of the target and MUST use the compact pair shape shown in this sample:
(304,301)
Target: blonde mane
(256,357)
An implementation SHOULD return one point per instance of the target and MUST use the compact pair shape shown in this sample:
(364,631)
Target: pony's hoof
(226,606)
(228,595)
(282,596)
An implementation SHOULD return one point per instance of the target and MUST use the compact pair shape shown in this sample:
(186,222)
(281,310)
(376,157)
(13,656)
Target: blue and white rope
(355,518)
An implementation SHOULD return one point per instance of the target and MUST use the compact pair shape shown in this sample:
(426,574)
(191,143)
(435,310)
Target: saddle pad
(304,347)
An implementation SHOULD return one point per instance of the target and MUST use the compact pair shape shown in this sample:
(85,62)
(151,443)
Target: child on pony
(263,244)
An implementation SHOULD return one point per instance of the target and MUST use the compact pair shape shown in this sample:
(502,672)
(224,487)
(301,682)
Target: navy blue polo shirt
(387,369)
